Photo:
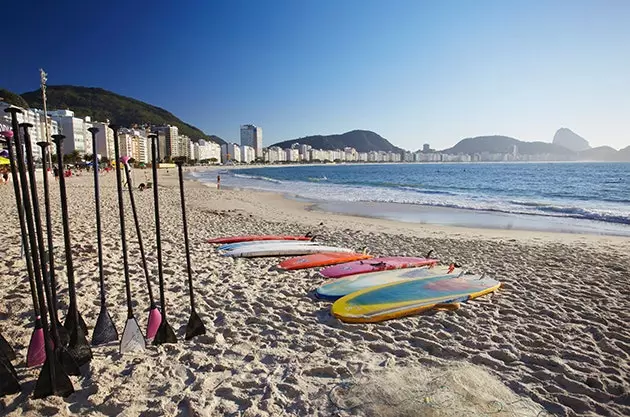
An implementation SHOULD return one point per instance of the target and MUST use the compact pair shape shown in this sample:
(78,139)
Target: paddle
(165,333)
(9,383)
(155,318)
(132,338)
(78,346)
(52,379)
(195,326)
(105,330)
(64,337)
(35,354)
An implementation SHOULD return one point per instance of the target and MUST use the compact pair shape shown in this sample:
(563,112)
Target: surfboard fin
(428,255)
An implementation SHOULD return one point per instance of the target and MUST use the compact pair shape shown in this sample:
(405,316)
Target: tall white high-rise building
(104,140)
(37,132)
(252,136)
(230,152)
(73,128)
(206,150)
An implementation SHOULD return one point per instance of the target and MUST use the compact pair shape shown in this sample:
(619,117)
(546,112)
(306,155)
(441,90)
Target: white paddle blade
(132,339)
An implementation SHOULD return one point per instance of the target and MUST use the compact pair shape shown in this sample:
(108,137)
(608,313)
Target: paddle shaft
(156,204)
(33,247)
(51,258)
(185,223)
(40,232)
(121,213)
(97,204)
(137,224)
(58,139)
(25,240)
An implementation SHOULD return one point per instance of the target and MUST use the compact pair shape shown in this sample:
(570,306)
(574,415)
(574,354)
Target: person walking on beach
(218,182)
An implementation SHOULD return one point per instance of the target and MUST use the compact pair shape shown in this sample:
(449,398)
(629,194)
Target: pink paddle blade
(155,318)
(36,354)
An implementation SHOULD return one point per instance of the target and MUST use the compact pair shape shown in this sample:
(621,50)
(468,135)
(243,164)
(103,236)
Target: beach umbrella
(4,161)
(105,330)
(132,338)
(195,326)
(4,152)
(155,317)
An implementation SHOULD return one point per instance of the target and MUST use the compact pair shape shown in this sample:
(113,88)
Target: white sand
(556,333)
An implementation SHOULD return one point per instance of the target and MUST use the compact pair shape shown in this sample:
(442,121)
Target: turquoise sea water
(578,197)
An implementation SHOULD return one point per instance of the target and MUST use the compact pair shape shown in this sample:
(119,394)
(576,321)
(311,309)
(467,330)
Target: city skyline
(413,72)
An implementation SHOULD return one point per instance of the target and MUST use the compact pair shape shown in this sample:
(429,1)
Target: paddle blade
(62,386)
(68,363)
(6,348)
(165,333)
(9,383)
(132,339)
(105,330)
(155,318)
(79,347)
(36,353)
(71,320)
(195,326)
(64,336)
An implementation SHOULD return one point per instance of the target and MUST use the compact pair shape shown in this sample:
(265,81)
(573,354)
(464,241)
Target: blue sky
(412,71)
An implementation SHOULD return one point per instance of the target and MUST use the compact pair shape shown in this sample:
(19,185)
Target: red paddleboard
(373,265)
(248,238)
(321,259)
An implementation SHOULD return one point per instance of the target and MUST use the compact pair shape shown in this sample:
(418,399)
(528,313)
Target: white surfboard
(283,250)
(233,246)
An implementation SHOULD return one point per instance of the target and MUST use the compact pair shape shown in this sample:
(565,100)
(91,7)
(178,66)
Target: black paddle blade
(6,348)
(79,348)
(71,321)
(105,330)
(9,383)
(44,386)
(64,336)
(165,334)
(132,338)
(68,363)
(195,326)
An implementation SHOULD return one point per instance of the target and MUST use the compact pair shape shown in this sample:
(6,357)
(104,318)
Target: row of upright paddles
(63,349)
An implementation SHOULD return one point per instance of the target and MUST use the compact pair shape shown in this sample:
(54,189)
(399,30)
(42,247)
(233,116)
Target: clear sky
(413,71)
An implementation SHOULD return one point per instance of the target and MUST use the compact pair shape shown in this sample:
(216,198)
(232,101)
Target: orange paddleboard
(321,259)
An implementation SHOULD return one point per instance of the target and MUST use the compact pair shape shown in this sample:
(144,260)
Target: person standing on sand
(218,182)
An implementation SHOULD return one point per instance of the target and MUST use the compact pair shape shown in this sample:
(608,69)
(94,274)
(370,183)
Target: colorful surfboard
(232,246)
(321,259)
(337,288)
(404,298)
(282,250)
(247,238)
(374,265)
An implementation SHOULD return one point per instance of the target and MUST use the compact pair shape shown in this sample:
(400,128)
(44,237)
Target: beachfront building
(252,136)
(351,154)
(275,154)
(362,157)
(104,140)
(206,150)
(292,155)
(305,154)
(75,131)
(168,141)
(230,152)
(248,154)
(37,132)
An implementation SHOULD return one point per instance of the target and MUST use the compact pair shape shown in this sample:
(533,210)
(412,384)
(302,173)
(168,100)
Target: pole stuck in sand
(52,380)
(155,317)
(78,346)
(165,333)
(195,326)
(132,338)
(36,355)
(105,330)
(64,337)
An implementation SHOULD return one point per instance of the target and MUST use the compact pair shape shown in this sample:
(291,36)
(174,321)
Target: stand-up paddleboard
(247,238)
(283,250)
(232,246)
(337,288)
(404,298)
(321,259)
(375,265)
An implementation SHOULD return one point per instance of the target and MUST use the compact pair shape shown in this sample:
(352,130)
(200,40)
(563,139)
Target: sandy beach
(554,340)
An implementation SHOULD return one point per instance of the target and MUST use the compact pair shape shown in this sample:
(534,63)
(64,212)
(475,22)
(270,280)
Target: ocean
(568,197)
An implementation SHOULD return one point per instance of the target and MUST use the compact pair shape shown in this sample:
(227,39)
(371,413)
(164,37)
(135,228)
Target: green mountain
(505,144)
(12,98)
(104,105)
(361,140)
